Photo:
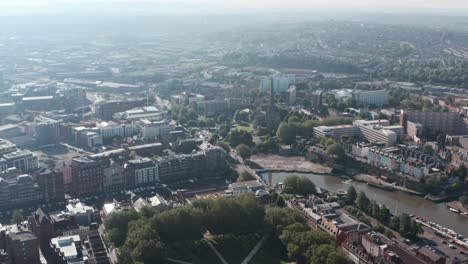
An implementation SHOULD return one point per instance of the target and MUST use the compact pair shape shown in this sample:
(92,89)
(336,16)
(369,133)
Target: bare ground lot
(289,164)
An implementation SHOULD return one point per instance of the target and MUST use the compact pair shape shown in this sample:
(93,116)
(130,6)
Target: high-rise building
(46,130)
(51,184)
(86,176)
(141,172)
(22,246)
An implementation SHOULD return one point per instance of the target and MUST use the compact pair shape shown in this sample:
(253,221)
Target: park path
(217,252)
(255,250)
(178,261)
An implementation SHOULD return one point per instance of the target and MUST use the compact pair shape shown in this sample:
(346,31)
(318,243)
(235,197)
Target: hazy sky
(234,6)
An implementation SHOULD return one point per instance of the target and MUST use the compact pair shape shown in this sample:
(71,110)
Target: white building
(371,98)
(147,112)
(111,129)
(153,129)
(280,84)
(265,85)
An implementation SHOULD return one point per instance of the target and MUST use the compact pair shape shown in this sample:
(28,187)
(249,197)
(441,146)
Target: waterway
(397,202)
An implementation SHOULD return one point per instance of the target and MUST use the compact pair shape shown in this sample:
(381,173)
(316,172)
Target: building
(447,122)
(111,129)
(316,102)
(81,214)
(187,98)
(265,84)
(141,172)
(9,131)
(376,244)
(68,250)
(21,190)
(343,227)
(292,95)
(39,103)
(51,184)
(114,178)
(379,131)
(336,131)
(239,188)
(377,98)
(106,110)
(87,176)
(6,147)
(22,246)
(46,130)
(374,131)
(150,130)
(280,84)
(148,112)
(24,160)
(43,227)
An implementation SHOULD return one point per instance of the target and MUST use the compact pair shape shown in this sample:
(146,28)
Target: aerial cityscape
(270,136)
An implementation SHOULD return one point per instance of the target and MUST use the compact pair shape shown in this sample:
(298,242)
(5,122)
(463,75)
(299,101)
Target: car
(444,242)
(462,252)
(407,241)
(452,246)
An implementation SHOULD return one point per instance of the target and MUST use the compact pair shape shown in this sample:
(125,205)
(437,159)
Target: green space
(197,252)
(244,128)
(235,248)
(272,252)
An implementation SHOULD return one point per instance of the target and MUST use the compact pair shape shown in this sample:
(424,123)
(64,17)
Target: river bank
(276,163)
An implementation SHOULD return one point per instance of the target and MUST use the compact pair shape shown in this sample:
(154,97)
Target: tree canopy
(244,151)
(300,185)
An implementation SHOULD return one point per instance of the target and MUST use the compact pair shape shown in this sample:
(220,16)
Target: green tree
(428,149)
(335,150)
(461,172)
(243,151)
(280,201)
(179,224)
(300,185)
(117,226)
(224,146)
(245,176)
(464,200)
(286,134)
(351,195)
(385,214)
(237,137)
(362,201)
(16,217)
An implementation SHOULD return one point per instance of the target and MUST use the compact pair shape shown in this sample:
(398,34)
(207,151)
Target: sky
(230,6)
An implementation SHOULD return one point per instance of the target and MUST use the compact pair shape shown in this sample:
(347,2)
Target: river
(397,202)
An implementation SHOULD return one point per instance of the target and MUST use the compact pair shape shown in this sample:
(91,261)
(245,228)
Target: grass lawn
(272,252)
(244,128)
(236,248)
(197,252)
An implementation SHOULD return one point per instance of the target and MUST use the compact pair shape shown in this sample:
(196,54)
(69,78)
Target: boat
(344,177)
(454,210)
(382,187)
(347,182)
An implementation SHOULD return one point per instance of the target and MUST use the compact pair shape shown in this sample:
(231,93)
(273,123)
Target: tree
(351,195)
(300,185)
(286,134)
(428,149)
(385,214)
(464,200)
(117,226)
(245,176)
(335,150)
(243,151)
(280,201)
(224,146)
(16,217)
(461,172)
(238,137)
(362,201)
